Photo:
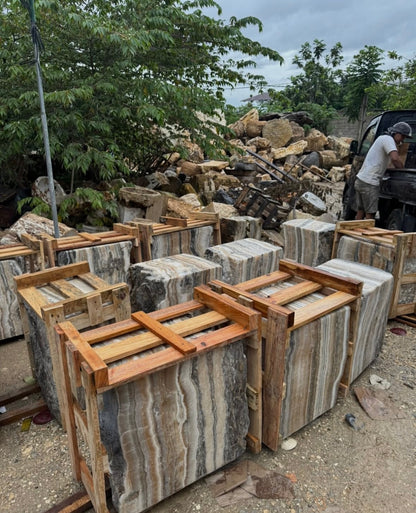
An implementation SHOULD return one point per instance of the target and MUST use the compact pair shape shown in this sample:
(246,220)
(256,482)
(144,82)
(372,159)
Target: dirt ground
(337,469)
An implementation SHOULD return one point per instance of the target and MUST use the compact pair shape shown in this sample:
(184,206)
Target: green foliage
(398,86)
(74,209)
(322,115)
(318,82)
(363,72)
(122,79)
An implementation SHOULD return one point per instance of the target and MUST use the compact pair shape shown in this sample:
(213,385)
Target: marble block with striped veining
(240,227)
(171,428)
(313,366)
(374,309)
(109,262)
(10,321)
(308,241)
(168,281)
(245,259)
(194,241)
(366,252)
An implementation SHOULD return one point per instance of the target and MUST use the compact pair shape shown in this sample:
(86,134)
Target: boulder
(40,189)
(312,204)
(189,168)
(260,143)
(316,140)
(255,128)
(329,159)
(298,132)
(341,146)
(213,165)
(278,131)
(223,180)
(337,174)
(141,202)
(296,148)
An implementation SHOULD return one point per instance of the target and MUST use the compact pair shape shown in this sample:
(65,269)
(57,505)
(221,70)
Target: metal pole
(46,144)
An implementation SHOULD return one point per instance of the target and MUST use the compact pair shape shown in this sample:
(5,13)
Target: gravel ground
(337,469)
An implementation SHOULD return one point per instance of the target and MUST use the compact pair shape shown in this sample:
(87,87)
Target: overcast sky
(290,23)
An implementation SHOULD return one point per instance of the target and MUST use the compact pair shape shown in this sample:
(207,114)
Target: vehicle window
(368,140)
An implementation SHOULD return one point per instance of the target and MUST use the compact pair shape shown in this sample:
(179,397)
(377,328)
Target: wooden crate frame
(11,251)
(146,231)
(403,246)
(280,320)
(82,365)
(85,309)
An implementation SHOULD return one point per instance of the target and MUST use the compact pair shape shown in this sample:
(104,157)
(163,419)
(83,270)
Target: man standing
(367,183)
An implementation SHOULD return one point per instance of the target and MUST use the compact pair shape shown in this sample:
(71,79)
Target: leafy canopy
(123,80)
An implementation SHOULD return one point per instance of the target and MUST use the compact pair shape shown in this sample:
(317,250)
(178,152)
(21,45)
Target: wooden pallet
(85,362)
(403,248)
(253,202)
(11,251)
(69,292)
(146,231)
(280,321)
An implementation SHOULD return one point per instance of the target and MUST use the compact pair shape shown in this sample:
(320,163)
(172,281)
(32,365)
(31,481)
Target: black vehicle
(397,200)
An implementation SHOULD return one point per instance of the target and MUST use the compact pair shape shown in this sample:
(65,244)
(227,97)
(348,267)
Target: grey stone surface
(10,321)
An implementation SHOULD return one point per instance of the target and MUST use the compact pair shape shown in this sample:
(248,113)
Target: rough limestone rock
(310,177)
(311,159)
(223,180)
(189,168)
(337,174)
(35,225)
(141,202)
(341,146)
(329,159)
(308,241)
(205,187)
(244,259)
(296,148)
(312,204)
(221,209)
(255,128)
(168,281)
(260,143)
(373,311)
(278,132)
(298,132)
(10,321)
(40,189)
(213,165)
(316,140)
(194,152)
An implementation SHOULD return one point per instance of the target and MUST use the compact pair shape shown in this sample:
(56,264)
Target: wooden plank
(166,334)
(11,397)
(175,221)
(348,285)
(297,291)
(262,305)
(263,281)
(66,288)
(94,237)
(95,309)
(49,275)
(399,262)
(321,307)
(94,281)
(273,377)
(408,278)
(134,369)
(22,412)
(225,305)
(87,353)
(145,341)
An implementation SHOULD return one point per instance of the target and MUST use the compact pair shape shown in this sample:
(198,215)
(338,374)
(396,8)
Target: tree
(123,79)
(319,80)
(363,72)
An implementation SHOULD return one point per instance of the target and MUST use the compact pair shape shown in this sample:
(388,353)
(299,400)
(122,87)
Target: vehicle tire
(395,220)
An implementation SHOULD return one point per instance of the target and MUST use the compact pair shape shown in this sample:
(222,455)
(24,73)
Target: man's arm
(395,160)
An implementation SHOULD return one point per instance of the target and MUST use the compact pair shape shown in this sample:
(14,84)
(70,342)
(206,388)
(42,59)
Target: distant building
(260,98)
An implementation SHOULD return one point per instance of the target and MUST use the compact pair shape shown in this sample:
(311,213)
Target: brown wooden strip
(78,503)
(11,397)
(263,281)
(87,353)
(96,282)
(133,369)
(297,291)
(348,285)
(321,307)
(66,288)
(165,333)
(90,236)
(49,275)
(145,341)
(262,305)
(23,412)
(34,298)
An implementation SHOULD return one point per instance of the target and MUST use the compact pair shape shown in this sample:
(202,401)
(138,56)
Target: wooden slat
(96,364)
(66,288)
(49,275)
(348,285)
(15,396)
(262,305)
(166,334)
(263,281)
(22,412)
(95,282)
(133,369)
(145,341)
(302,289)
(321,307)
